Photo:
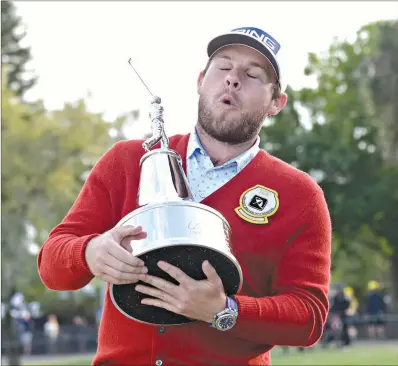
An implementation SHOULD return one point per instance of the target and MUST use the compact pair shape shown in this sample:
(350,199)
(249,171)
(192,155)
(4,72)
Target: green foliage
(67,305)
(361,261)
(47,158)
(379,77)
(344,148)
(13,54)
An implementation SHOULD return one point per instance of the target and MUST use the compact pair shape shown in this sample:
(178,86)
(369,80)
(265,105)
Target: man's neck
(218,151)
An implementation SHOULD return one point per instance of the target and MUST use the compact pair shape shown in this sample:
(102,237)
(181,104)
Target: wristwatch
(226,319)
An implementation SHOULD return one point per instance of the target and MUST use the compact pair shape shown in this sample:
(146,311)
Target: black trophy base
(189,259)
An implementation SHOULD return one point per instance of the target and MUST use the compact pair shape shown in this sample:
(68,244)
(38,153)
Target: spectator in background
(340,306)
(375,309)
(26,335)
(351,311)
(51,331)
(81,333)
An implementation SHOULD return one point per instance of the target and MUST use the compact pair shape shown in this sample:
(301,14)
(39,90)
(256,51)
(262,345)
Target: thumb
(121,232)
(211,273)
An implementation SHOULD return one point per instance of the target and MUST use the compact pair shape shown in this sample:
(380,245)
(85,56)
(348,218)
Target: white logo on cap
(264,38)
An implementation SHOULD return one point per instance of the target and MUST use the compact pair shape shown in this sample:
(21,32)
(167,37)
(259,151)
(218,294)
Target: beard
(244,127)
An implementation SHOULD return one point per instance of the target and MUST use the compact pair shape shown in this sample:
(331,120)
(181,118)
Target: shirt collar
(195,147)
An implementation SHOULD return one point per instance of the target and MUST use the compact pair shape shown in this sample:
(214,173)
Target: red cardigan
(285,264)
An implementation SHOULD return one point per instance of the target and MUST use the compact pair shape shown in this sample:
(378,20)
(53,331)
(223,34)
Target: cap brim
(236,38)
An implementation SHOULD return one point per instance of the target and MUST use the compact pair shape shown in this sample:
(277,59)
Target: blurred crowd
(348,317)
(46,334)
(346,314)
(76,334)
(36,333)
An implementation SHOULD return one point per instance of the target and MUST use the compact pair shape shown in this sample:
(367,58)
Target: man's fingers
(161,304)
(151,291)
(211,273)
(119,275)
(114,281)
(127,244)
(122,255)
(121,232)
(115,263)
(160,283)
(181,277)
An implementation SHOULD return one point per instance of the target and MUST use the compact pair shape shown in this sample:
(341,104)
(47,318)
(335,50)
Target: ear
(200,81)
(277,105)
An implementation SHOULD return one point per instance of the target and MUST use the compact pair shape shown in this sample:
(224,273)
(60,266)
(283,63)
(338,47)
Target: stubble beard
(236,131)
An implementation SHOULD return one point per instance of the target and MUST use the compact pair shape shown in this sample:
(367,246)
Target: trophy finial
(156,116)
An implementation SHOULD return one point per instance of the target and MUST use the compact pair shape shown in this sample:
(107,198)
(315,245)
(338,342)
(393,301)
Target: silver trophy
(179,231)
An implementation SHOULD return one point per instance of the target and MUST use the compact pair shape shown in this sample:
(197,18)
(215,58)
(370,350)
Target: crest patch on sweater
(257,204)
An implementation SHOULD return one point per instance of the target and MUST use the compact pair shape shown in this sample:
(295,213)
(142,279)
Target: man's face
(235,95)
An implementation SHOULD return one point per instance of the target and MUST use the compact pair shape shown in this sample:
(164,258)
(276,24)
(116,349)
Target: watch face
(226,322)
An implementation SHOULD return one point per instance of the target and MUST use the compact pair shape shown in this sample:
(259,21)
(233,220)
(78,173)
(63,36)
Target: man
(339,308)
(281,230)
(26,326)
(375,308)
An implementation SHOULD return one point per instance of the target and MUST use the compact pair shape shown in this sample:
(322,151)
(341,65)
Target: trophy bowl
(184,234)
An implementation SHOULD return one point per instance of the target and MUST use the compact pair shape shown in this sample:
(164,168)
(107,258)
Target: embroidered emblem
(257,204)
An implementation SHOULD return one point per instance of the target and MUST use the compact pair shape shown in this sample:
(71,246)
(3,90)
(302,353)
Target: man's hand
(109,255)
(199,300)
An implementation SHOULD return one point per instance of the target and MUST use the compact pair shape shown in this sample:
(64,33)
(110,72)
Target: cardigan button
(159,363)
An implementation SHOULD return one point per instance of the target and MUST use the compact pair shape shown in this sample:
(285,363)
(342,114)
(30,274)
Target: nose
(232,81)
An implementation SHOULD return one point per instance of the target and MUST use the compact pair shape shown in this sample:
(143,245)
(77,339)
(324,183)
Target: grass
(374,354)
(364,354)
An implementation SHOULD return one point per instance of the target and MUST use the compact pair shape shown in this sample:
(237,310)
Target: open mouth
(227,100)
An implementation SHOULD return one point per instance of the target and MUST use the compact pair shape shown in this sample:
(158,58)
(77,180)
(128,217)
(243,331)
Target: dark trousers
(345,337)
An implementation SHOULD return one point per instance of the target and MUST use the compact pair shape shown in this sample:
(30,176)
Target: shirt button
(162,330)
(159,363)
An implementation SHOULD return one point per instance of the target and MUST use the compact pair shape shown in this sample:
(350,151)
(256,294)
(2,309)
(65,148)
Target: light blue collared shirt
(204,178)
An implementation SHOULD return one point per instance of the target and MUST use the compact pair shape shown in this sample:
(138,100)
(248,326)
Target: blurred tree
(362,263)
(47,157)
(379,76)
(340,149)
(13,54)
(16,262)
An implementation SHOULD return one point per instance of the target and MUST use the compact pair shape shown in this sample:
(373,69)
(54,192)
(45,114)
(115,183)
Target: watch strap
(230,304)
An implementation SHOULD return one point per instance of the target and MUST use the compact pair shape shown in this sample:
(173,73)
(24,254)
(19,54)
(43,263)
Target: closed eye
(224,69)
(251,76)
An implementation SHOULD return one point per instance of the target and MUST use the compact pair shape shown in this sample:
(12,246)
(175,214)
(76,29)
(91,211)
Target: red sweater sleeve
(297,312)
(61,260)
